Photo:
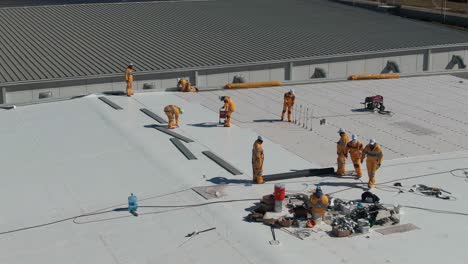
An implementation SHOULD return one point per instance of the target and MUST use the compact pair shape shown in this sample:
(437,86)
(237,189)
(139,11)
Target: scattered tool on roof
(432,191)
(274,242)
(195,233)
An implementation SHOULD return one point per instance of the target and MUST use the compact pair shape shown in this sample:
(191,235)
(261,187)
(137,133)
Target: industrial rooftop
(71,41)
(83,157)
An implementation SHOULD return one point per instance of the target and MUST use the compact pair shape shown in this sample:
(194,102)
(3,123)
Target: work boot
(289,121)
(281,119)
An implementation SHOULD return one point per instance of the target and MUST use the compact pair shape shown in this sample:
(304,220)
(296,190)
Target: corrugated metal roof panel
(84,40)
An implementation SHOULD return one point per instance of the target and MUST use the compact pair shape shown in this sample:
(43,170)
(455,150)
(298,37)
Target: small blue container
(132,203)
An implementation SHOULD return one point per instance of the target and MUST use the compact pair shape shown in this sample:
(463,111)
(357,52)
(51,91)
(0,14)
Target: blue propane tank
(132,203)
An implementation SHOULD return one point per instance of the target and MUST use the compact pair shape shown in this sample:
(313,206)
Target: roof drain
(45,95)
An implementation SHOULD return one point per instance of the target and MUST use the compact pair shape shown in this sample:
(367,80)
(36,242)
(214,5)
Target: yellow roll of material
(374,76)
(253,84)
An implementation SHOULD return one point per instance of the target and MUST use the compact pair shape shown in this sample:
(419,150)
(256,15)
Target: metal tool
(274,242)
(195,233)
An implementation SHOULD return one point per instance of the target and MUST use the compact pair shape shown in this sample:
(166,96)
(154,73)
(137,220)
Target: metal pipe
(300,115)
(298,174)
(311,119)
(306,118)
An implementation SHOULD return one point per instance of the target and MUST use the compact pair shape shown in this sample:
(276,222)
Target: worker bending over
(288,104)
(257,160)
(318,204)
(173,112)
(341,152)
(229,107)
(355,148)
(374,159)
(129,79)
(185,86)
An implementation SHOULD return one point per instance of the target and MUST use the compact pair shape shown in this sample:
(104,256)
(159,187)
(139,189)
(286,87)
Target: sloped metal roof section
(60,42)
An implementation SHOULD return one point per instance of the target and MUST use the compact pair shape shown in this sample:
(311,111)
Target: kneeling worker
(173,112)
(229,107)
(185,86)
(318,204)
(257,160)
(374,159)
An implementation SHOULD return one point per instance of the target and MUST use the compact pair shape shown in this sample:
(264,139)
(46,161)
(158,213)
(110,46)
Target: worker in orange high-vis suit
(374,159)
(257,160)
(185,86)
(288,104)
(129,79)
(341,152)
(229,107)
(173,112)
(318,204)
(355,148)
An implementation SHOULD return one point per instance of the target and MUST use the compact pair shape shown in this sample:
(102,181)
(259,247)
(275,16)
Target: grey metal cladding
(58,42)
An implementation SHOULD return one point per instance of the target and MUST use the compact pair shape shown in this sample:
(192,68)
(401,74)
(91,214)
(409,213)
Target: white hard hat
(291,91)
(342,130)
(354,137)
(260,138)
(372,142)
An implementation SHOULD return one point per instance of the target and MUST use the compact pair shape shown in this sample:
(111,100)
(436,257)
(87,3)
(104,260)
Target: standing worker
(355,148)
(374,159)
(318,204)
(257,160)
(184,86)
(341,152)
(229,107)
(129,79)
(173,112)
(288,104)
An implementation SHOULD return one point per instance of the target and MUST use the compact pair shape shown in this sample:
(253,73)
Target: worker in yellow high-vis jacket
(355,148)
(129,79)
(341,152)
(374,155)
(172,112)
(257,160)
(288,104)
(229,107)
(318,203)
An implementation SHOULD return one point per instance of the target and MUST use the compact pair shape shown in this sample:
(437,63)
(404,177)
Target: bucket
(280,192)
(317,218)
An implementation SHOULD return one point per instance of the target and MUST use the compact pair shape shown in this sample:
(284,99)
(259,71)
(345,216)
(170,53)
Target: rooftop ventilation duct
(319,73)
(239,79)
(45,95)
(148,86)
(391,67)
